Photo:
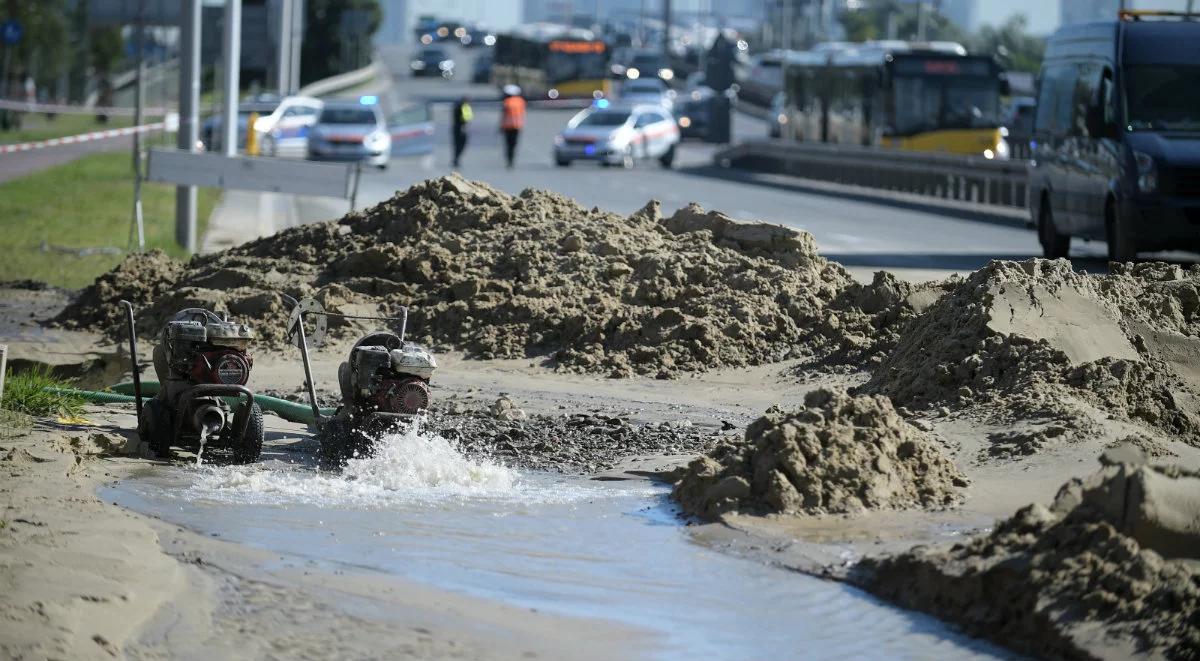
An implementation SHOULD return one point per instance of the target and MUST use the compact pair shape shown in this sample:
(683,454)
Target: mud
(1035,340)
(838,454)
(1106,572)
(500,276)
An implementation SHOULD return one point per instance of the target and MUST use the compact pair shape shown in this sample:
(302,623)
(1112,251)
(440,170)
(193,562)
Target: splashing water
(411,465)
(203,441)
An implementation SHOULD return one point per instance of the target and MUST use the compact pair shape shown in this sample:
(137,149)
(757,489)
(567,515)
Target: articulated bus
(928,97)
(552,62)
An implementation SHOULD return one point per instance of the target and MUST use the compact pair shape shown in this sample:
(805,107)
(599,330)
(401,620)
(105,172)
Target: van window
(1055,97)
(1163,97)
(1087,87)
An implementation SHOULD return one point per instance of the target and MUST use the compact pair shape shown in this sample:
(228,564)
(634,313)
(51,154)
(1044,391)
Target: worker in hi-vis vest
(512,120)
(462,117)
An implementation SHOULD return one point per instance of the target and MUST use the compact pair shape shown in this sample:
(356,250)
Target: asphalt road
(864,235)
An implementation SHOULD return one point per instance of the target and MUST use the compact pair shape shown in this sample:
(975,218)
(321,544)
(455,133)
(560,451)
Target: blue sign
(10,32)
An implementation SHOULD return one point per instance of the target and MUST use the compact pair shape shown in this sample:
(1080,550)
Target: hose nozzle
(209,419)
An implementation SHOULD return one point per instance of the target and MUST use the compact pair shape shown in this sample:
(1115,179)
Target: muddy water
(611,550)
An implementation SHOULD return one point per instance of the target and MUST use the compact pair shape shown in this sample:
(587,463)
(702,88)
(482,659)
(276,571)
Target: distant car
(634,63)
(284,132)
(646,90)
(481,70)
(210,130)
(618,136)
(476,37)
(351,131)
(432,61)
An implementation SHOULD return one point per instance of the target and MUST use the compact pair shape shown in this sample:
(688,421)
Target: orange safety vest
(513,116)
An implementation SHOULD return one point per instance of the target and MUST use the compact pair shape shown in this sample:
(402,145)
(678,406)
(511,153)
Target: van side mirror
(1097,123)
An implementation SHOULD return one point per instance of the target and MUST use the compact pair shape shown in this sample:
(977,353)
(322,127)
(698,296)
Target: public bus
(927,97)
(552,62)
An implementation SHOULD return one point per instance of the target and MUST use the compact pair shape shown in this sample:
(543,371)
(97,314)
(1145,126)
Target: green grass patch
(38,127)
(29,392)
(86,203)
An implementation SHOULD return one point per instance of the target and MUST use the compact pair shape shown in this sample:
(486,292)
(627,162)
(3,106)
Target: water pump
(384,382)
(203,364)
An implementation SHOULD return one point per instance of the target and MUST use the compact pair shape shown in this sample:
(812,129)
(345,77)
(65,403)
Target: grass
(86,203)
(26,392)
(39,127)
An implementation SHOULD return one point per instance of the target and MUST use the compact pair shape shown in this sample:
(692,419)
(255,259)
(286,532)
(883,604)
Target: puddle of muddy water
(610,550)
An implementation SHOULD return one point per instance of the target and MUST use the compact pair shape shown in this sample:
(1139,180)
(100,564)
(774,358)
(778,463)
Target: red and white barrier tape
(59,108)
(82,137)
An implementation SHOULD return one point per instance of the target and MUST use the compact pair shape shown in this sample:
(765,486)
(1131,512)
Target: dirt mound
(1099,574)
(142,279)
(1028,337)
(838,454)
(500,276)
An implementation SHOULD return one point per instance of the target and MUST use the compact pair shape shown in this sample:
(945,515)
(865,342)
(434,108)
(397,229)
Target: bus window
(918,105)
(971,103)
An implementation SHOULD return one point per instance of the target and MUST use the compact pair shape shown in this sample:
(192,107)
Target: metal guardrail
(973,179)
(343,81)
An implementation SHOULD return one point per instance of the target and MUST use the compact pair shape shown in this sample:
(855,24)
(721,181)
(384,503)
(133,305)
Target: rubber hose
(122,393)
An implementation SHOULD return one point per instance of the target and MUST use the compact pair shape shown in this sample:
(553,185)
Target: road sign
(273,175)
(11,31)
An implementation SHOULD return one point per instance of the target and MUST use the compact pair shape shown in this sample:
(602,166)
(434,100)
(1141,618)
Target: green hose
(122,393)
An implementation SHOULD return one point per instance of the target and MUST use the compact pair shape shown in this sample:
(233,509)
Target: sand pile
(1104,572)
(1028,337)
(501,276)
(838,454)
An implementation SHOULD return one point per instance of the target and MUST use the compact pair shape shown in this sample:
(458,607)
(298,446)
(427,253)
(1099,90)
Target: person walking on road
(462,117)
(512,120)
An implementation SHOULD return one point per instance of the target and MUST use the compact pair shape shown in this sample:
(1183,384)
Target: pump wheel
(156,427)
(246,449)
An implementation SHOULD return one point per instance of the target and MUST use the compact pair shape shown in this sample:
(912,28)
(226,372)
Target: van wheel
(1121,246)
(1054,245)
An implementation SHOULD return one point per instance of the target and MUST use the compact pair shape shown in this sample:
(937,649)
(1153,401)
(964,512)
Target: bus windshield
(575,66)
(952,102)
(1163,97)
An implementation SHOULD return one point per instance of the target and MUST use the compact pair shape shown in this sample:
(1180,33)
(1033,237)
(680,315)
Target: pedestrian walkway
(243,216)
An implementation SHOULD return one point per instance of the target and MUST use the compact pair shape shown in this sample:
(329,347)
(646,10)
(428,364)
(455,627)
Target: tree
(1011,45)
(328,46)
(883,19)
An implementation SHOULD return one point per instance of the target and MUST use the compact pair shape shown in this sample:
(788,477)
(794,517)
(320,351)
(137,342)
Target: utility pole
(283,75)
(189,117)
(921,20)
(666,36)
(140,45)
(233,60)
(295,42)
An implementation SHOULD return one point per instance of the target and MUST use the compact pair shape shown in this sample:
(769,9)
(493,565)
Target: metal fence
(974,179)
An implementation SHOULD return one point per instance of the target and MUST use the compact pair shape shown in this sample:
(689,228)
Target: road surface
(863,235)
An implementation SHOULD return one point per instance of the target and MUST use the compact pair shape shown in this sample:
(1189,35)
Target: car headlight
(446,65)
(489,40)
(375,139)
(632,73)
(685,121)
(559,141)
(666,74)
(1002,149)
(418,64)
(1147,179)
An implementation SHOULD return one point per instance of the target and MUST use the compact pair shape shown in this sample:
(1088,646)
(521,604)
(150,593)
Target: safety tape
(82,137)
(58,108)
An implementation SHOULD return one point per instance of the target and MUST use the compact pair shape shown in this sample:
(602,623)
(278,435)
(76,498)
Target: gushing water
(203,441)
(410,465)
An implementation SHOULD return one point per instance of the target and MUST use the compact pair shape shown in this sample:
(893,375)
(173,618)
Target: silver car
(646,90)
(351,131)
(620,136)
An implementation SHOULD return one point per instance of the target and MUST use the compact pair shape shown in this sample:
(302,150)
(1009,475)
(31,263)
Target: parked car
(210,130)
(618,136)
(476,37)
(284,132)
(432,61)
(646,90)
(634,63)
(1115,154)
(351,130)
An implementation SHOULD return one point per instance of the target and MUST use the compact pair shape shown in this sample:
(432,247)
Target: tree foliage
(325,47)
(1010,43)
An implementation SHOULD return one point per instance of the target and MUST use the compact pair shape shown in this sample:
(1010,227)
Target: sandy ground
(80,578)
